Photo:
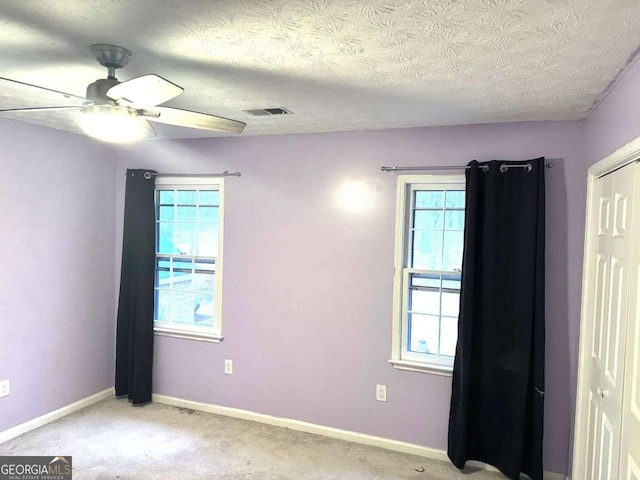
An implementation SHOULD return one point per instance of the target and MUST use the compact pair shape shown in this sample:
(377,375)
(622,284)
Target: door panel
(633,471)
(607,442)
(604,217)
(612,365)
(593,423)
(601,301)
(599,291)
(610,298)
(620,225)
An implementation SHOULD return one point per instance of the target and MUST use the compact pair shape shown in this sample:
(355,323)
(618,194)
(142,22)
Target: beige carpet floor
(113,440)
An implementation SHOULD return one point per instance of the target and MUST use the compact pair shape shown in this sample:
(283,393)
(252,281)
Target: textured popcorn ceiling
(338,64)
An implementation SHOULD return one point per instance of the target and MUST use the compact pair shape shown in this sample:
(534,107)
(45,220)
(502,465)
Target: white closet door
(630,444)
(610,296)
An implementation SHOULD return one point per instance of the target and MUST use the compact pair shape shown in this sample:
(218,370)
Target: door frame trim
(618,159)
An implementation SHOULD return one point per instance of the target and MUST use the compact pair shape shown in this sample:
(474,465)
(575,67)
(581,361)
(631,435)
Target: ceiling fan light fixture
(111,123)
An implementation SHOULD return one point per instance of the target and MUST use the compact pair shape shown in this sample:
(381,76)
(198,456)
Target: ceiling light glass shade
(111,123)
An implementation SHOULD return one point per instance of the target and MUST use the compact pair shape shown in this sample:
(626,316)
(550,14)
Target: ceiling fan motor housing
(111,56)
(97,91)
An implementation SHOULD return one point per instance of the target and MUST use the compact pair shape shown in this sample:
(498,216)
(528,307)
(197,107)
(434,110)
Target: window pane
(183,282)
(208,240)
(163,278)
(186,214)
(208,214)
(423,333)
(182,307)
(164,262)
(184,239)
(455,199)
(421,301)
(203,311)
(425,280)
(209,197)
(166,214)
(451,282)
(448,336)
(162,305)
(181,274)
(183,264)
(205,265)
(205,286)
(427,250)
(452,261)
(429,199)
(186,197)
(165,238)
(166,197)
(204,283)
(163,272)
(454,220)
(428,219)
(450,304)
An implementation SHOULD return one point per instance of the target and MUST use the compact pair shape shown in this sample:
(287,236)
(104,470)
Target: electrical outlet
(5,388)
(228,367)
(381,393)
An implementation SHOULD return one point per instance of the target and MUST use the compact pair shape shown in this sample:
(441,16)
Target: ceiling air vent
(263,112)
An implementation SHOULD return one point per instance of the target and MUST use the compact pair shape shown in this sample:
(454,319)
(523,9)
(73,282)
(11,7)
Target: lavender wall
(308,285)
(57,277)
(616,121)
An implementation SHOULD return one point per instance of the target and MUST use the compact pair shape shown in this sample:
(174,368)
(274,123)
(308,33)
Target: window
(188,281)
(428,268)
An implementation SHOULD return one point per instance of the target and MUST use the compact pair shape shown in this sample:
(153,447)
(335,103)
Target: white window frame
(207,334)
(400,357)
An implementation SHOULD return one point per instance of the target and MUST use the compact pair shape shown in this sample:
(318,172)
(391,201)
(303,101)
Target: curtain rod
(503,168)
(226,173)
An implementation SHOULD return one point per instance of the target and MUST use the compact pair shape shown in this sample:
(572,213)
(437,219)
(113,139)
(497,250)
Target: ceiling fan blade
(58,119)
(189,119)
(42,109)
(145,91)
(19,95)
(30,103)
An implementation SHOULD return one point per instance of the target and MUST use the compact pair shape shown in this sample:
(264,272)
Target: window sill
(200,337)
(409,366)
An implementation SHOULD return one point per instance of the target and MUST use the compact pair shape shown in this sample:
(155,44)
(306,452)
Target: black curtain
(497,400)
(134,338)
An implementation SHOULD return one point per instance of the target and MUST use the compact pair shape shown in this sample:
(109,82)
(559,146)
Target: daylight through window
(428,271)
(188,258)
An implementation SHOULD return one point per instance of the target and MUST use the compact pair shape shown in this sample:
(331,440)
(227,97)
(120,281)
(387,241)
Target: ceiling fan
(115,111)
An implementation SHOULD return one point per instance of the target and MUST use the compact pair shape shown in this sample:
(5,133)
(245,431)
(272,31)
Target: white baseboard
(37,422)
(389,444)
(555,476)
